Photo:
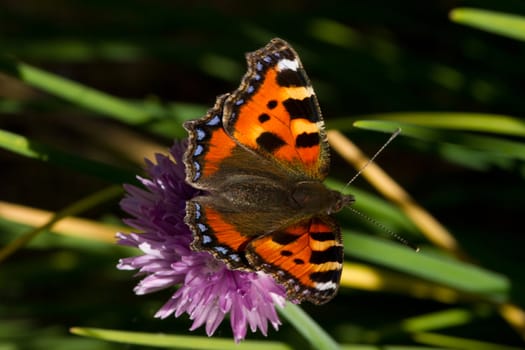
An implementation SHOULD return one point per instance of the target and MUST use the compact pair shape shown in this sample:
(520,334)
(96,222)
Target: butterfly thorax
(260,193)
(315,198)
(259,204)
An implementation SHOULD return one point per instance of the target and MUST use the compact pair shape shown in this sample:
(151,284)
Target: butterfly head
(341,201)
(313,197)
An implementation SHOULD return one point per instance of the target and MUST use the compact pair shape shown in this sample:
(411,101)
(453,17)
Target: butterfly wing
(208,147)
(214,233)
(307,258)
(213,156)
(275,113)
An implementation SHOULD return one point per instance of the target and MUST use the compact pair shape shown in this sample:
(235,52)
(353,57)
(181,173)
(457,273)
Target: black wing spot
(286,253)
(322,236)
(263,118)
(284,238)
(332,254)
(305,108)
(326,276)
(292,78)
(298,261)
(270,142)
(271,104)
(306,140)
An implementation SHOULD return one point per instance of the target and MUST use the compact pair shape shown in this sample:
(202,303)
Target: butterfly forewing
(208,146)
(276,114)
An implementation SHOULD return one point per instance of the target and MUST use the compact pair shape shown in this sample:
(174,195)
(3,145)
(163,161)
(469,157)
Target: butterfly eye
(340,201)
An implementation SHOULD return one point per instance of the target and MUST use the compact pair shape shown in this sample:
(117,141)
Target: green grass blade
(440,269)
(477,122)
(74,92)
(451,342)
(488,144)
(73,209)
(176,341)
(440,320)
(309,329)
(28,148)
(389,347)
(508,25)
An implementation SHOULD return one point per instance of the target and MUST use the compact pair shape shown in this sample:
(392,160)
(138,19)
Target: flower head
(208,290)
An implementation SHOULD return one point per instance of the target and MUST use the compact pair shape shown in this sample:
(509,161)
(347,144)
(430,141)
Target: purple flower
(208,289)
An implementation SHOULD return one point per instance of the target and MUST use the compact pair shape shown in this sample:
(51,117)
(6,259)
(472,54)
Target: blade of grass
(308,328)
(451,342)
(377,207)
(509,25)
(31,149)
(175,341)
(378,178)
(73,209)
(69,226)
(388,347)
(366,277)
(74,92)
(492,145)
(455,274)
(477,122)
(441,319)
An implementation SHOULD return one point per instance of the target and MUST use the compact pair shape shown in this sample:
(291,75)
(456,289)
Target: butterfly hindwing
(215,234)
(307,256)
(276,114)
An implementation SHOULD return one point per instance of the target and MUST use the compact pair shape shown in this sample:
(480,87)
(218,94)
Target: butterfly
(260,156)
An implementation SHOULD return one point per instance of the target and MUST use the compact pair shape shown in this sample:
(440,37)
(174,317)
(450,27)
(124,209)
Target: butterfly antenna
(392,137)
(384,228)
(369,219)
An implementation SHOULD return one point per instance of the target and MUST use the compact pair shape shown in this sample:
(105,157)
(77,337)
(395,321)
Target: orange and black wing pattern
(215,234)
(307,258)
(275,113)
(208,146)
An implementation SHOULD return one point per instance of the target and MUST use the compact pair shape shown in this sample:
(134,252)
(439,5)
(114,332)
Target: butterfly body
(260,156)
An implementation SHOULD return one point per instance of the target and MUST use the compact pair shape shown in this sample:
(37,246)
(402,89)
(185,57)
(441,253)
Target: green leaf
(477,122)
(308,328)
(74,92)
(508,25)
(488,144)
(450,342)
(28,148)
(389,347)
(439,269)
(441,319)
(176,341)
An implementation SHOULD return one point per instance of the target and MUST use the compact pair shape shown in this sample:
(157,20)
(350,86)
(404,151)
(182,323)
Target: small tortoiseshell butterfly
(260,155)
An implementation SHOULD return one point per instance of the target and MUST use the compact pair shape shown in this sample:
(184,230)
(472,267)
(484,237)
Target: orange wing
(276,114)
(208,146)
(306,258)
(216,235)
